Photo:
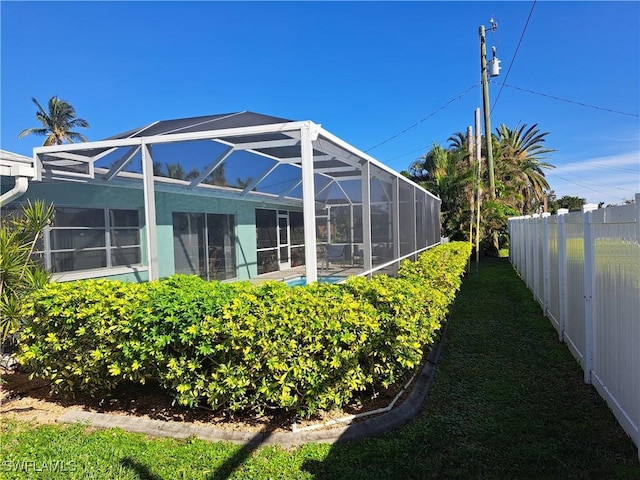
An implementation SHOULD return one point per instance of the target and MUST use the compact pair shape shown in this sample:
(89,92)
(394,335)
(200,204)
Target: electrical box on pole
(494,64)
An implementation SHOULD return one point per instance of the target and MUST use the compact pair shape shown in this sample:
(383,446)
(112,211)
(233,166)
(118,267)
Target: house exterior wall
(85,195)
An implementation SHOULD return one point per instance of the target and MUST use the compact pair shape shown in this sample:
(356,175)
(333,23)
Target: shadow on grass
(223,472)
(142,471)
(508,401)
(236,460)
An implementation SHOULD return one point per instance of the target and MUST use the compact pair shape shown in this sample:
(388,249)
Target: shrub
(236,345)
(84,336)
(20,273)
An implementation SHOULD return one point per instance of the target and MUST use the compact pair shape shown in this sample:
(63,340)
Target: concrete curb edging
(379,425)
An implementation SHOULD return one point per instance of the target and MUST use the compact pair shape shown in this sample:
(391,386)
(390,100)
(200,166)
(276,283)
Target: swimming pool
(299,281)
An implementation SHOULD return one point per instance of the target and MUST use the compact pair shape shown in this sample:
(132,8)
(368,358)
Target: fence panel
(553,274)
(584,268)
(539,261)
(616,319)
(528,263)
(574,286)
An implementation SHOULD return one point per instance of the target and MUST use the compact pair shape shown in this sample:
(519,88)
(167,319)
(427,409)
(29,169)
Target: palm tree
(520,167)
(21,272)
(57,123)
(446,173)
(458,141)
(175,170)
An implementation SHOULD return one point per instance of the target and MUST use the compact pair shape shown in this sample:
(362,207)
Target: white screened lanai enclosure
(247,194)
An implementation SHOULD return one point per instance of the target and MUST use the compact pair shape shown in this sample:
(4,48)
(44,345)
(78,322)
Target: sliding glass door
(280,240)
(283,240)
(204,245)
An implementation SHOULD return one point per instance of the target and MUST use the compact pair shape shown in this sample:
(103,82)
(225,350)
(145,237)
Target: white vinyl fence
(584,270)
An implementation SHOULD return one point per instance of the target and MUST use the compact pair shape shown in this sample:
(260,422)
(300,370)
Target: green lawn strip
(29,452)
(508,401)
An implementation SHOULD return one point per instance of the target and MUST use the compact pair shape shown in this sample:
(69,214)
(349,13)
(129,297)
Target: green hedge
(235,345)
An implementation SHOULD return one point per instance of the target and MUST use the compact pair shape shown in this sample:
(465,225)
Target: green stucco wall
(69,194)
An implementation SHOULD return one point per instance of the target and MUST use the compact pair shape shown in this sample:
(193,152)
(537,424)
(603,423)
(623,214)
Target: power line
(584,186)
(596,184)
(572,101)
(425,118)
(423,149)
(514,55)
(613,169)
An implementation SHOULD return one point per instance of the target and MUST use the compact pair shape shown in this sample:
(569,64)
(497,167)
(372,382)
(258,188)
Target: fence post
(546,264)
(562,272)
(589,274)
(527,256)
(521,227)
(535,273)
(637,199)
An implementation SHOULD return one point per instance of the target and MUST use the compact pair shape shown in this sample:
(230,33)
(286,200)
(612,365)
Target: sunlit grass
(508,401)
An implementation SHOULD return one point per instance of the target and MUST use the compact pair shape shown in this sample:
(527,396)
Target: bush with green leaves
(85,336)
(235,346)
(20,273)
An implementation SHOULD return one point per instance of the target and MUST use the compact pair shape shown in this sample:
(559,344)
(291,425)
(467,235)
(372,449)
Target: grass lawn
(508,401)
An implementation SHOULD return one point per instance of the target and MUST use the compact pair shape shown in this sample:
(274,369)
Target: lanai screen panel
(421,219)
(407,224)
(434,217)
(382,216)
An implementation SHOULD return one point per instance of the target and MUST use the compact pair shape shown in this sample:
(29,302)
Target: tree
(20,273)
(175,170)
(573,204)
(521,186)
(519,167)
(447,174)
(57,123)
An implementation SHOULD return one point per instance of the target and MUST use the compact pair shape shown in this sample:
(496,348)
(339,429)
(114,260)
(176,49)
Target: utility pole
(487,115)
(495,71)
(479,188)
(470,141)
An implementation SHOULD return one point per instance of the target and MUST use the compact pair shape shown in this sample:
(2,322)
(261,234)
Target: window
(90,238)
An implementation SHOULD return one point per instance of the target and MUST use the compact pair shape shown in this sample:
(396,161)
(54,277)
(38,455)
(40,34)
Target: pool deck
(334,270)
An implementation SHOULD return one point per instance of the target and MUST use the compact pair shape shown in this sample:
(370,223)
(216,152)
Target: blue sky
(364,70)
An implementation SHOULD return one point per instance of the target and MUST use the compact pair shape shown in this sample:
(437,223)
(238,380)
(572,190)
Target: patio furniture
(335,254)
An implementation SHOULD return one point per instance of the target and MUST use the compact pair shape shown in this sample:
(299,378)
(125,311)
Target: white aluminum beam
(120,164)
(255,182)
(353,150)
(325,187)
(289,190)
(308,203)
(150,212)
(316,158)
(121,142)
(335,169)
(344,147)
(227,132)
(175,137)
(72,156)
(210,168)
(345,193)
(268,144)
(347,177)
(366,218)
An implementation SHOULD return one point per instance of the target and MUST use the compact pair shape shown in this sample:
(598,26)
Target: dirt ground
(30,400)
